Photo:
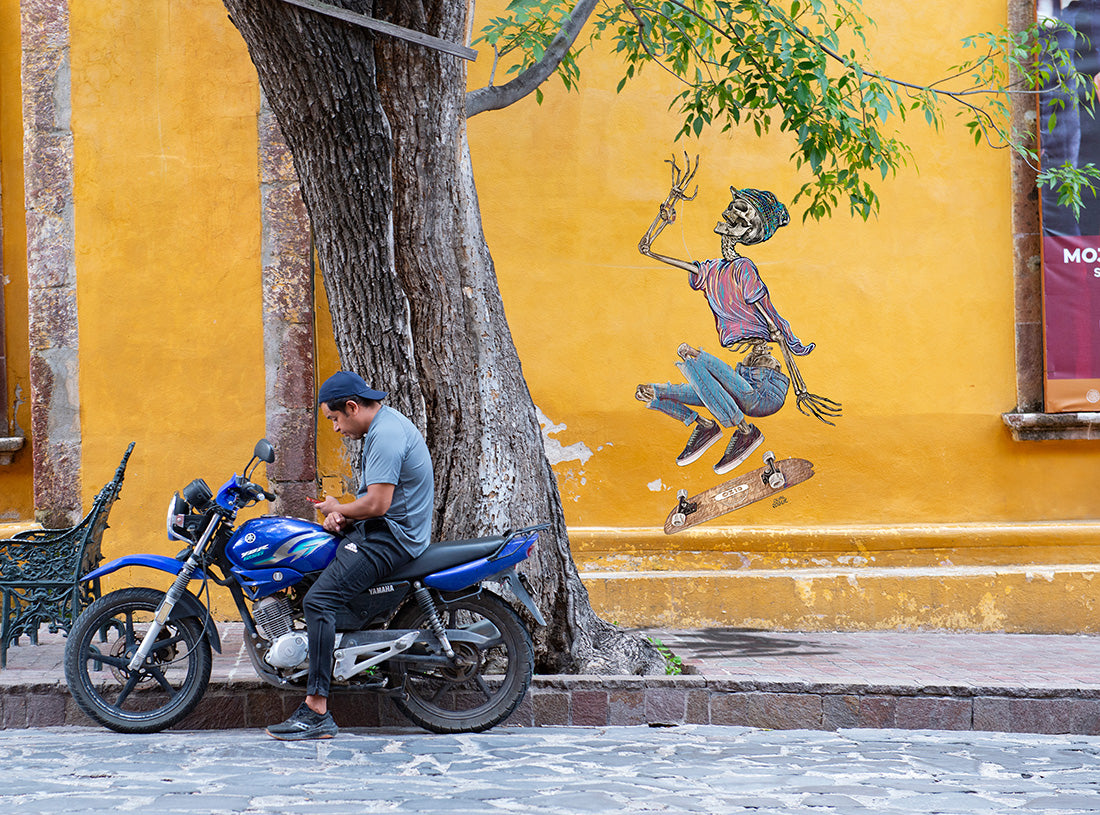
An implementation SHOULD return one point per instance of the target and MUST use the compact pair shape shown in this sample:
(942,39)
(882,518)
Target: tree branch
(495,97)
(636,13)
(956,96)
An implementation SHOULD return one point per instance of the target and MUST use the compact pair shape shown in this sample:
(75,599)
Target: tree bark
(376,127)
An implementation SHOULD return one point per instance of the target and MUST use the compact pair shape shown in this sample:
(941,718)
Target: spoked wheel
(494,660)
(157,695)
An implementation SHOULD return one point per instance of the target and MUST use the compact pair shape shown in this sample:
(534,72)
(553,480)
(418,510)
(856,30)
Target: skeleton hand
(810,404)
(681,178)
(744,346)
(666,214)
(813,405)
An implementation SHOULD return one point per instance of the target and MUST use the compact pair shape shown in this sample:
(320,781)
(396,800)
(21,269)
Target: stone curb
(597,701)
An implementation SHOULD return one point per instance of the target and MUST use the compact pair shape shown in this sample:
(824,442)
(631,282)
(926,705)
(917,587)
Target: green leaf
(801,67)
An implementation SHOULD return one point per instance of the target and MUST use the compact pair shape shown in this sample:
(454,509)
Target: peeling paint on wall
(13,422)
(556,452)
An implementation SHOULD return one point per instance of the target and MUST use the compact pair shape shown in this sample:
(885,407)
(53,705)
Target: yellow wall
(16,498)
(912,312)
(167,251)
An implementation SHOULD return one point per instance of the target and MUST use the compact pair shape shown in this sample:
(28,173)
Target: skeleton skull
(741,223)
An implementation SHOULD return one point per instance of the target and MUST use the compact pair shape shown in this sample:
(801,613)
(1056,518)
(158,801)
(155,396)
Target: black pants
(365,557)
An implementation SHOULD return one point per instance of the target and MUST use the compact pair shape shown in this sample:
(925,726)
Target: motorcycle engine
(275,621)
(289,650)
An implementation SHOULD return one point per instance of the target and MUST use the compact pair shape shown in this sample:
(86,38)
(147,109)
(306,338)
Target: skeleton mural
(747,323)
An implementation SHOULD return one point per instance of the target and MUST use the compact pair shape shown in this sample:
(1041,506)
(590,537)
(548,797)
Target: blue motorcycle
(454,656)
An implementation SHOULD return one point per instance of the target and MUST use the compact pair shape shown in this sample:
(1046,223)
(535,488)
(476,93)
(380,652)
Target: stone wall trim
(51,264)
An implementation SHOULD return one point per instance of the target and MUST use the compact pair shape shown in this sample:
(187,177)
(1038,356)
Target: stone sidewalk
(777,680)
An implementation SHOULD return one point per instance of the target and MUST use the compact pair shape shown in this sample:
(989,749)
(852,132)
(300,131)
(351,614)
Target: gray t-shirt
(394,452)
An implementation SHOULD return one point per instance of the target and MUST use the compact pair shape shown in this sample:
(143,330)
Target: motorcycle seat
(445,554)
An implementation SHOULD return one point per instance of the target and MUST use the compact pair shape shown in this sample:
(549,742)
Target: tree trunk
(376,127)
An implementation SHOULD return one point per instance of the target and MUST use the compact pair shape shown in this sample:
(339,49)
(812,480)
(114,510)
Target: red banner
(1069,133)
(1071,322)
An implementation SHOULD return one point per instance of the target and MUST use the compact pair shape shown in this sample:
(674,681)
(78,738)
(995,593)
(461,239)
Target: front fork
(171,597)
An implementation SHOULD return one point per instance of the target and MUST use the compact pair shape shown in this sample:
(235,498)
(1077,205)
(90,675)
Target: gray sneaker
(739,448)
(702,437)
(304,724)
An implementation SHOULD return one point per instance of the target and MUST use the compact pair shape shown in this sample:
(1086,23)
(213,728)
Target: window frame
(1029,421)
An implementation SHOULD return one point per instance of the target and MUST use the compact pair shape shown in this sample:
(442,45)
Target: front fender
(159,562)
(187,606)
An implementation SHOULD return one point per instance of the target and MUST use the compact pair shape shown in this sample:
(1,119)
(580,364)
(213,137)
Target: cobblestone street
(694,768)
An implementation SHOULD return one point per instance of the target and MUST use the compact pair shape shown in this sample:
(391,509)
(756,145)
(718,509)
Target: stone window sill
(1053,426)
(9,446)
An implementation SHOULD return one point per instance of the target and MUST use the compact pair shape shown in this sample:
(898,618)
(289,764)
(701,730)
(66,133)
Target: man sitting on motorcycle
(384,527)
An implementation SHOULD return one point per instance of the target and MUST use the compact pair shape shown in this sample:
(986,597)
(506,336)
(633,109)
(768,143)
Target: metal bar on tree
(407,34)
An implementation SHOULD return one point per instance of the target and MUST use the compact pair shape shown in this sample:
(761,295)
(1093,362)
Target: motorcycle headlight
(185,514)
(178,511)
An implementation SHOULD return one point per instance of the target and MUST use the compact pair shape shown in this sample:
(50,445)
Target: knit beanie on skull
(772,213)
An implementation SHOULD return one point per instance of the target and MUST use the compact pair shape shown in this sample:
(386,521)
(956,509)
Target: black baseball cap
(343,385)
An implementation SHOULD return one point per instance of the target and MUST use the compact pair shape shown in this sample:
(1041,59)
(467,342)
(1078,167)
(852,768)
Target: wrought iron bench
(40,571)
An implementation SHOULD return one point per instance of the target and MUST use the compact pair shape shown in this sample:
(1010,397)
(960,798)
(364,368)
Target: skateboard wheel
(769,457)
(678,519)
(681,494)
(776,480)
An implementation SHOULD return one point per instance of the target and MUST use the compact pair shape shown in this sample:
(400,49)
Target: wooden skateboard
(749,488)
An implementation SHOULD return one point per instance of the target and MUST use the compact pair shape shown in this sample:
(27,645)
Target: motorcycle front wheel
(488,677)
(157,695)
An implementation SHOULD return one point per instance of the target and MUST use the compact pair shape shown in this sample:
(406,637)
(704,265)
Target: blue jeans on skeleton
(729,394)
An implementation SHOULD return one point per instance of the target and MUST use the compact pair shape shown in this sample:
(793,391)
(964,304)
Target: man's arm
(374,503)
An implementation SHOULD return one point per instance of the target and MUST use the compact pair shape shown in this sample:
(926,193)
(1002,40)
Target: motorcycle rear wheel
(487,681)
(160,693)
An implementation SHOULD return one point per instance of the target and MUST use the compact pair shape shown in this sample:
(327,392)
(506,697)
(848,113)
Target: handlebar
(255,491)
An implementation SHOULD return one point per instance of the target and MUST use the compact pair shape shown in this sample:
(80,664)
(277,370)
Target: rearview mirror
(264,451)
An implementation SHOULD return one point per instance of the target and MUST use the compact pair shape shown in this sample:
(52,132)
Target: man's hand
(335,522)
(374,503)
(328,506)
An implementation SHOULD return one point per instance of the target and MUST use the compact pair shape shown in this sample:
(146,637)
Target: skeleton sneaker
(739,448)
(703,436)
(304,724)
